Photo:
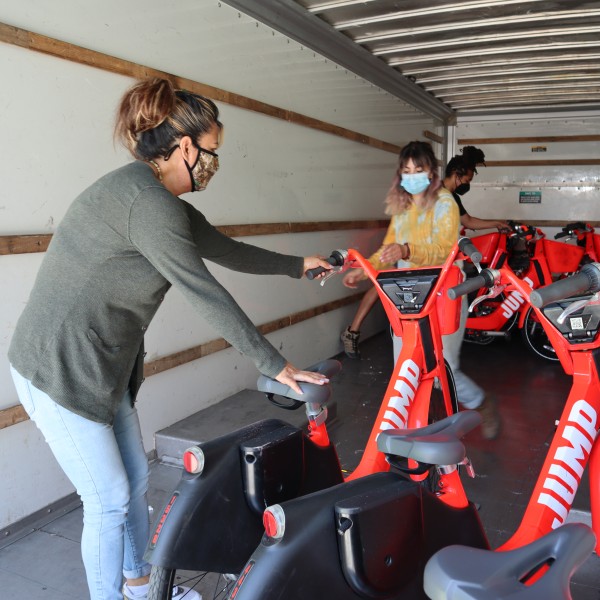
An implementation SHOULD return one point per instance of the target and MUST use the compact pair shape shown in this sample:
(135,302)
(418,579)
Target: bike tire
(535,337)
(211,586)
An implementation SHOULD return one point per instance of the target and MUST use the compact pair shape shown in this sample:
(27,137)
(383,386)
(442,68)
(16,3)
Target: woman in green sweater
(77,351)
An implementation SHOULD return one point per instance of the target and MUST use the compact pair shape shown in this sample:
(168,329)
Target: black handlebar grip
(467,247)
(484,279)
(336,259)
(587,280)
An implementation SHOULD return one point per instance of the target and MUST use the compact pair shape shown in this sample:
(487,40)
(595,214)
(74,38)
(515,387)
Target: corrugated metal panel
(481,55)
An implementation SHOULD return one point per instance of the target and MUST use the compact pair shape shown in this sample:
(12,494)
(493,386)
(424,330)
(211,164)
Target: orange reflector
(193,460)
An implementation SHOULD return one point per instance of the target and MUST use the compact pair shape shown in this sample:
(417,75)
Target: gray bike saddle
(313,393)
(435,444)
(463,573)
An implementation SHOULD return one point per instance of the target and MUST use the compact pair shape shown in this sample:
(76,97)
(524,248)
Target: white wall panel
(210,42)
(568,192)
(57,122)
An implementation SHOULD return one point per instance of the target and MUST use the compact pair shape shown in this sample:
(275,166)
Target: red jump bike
(537,261)
(214,519)
(358,541)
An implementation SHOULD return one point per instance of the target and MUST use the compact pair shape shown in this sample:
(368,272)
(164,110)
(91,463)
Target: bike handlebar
(336,259)
(586,281)
(484,279)
(468,248)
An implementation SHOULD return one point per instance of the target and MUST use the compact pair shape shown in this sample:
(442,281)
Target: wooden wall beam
(16,414)
(24,244)
(529,140)
(78,54)
(561,162)
(434,137)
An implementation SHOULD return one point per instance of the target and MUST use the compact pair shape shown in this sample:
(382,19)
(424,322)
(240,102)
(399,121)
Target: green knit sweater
(122,244)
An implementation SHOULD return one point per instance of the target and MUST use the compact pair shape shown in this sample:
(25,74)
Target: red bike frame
(574,443)
(586,239)
(549,260)
(420,364)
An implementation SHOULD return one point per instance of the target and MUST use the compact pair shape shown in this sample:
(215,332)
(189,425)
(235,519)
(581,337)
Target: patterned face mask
(206,165)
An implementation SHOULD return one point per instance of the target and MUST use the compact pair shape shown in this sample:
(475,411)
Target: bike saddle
(313,393)
(435,444)
(463,573)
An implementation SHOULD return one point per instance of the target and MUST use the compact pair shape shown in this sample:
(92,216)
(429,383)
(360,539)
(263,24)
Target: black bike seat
(313,393)
(463,573)
(435,444)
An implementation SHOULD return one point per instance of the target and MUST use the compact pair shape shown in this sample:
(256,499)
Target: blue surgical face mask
(415,183)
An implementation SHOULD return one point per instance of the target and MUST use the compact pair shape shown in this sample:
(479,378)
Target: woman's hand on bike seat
(313,387)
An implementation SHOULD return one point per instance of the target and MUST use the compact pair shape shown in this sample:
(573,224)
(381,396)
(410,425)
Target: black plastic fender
(367,538)
(213,520)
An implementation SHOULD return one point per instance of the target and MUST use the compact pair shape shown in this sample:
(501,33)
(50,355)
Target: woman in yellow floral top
(424,228)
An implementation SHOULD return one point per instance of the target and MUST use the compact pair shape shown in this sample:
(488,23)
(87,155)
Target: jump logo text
(568,461)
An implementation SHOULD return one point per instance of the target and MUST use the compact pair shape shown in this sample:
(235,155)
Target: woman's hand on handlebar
(312,262)
(353,277)
(290,375)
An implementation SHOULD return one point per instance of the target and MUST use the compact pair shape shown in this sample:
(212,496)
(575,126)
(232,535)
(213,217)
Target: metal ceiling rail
(531,68)
(495,38)
(570,59)
(474,52)
(287,17)
(574,80)
(425,11)
(471,25)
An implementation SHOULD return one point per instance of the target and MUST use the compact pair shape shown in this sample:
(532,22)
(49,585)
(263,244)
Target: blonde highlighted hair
(153,116)
(398,199)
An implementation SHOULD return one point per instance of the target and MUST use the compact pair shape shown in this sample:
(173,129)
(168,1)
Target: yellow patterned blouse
(430,234)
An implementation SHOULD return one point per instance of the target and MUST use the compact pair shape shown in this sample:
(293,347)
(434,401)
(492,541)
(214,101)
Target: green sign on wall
(530,197)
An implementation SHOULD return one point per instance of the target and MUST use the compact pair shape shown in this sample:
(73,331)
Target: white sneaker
(185,593)
(179,593)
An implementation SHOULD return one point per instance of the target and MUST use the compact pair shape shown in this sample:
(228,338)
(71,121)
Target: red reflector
(193,460)
(190,462)
(270,523)
(274,522)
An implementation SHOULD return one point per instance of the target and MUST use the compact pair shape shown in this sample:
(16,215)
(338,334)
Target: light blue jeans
(469,394)
(109,469)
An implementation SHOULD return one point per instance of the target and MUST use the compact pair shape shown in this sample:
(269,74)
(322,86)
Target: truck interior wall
(533,193)
(57,124)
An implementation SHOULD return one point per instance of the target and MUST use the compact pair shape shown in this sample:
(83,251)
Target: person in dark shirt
(458,176)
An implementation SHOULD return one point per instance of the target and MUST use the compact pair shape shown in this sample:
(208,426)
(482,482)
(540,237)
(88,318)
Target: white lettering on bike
(396,414)
(514,301)
(563,484)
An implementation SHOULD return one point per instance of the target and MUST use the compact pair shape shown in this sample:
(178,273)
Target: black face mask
(463,188)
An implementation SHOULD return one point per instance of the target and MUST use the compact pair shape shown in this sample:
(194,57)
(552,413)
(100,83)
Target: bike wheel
(211,586)
(535,337)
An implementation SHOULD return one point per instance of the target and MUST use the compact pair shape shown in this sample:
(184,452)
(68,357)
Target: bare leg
(365,306)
